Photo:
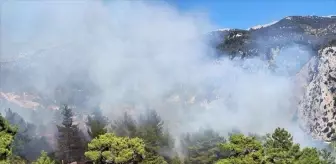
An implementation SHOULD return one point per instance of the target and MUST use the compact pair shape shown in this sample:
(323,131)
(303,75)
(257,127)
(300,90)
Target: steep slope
(316,109)
(309,31)
(316,80)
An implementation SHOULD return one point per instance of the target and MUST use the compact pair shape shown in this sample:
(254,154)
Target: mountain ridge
(273,22)
(311,32)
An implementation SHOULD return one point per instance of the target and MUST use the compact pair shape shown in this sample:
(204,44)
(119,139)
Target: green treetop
(119,150)
(7,133)
(44,159)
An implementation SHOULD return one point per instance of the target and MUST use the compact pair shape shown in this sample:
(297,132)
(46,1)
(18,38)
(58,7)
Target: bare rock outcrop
(24,100)
(316,110)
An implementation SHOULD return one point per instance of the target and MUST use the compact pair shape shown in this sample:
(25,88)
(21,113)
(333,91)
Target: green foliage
(278,148)
(110,148)
(150,129)
(176,160)
(241,150)
(125,126)
(7,134)
(17,160)
(328,154)
(232,44)
(67,116)
(308,155)
(5,162)
(26,132)
(97,124)
(44,159)
(146,141)
(153,159)
(70,140)
(27,137)
(202,146)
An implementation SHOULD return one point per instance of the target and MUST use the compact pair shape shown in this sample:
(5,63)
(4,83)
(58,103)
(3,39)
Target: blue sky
(247,13)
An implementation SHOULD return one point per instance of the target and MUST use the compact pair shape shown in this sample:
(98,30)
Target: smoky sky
(141,55)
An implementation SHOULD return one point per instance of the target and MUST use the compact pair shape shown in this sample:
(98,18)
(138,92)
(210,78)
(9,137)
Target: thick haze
(148,56)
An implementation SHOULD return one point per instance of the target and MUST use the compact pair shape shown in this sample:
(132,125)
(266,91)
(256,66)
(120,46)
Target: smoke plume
(140,55)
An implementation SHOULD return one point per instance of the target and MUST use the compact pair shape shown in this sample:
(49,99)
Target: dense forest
(130,140)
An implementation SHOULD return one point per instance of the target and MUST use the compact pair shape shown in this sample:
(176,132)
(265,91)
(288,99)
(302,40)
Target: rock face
(316,81)
(316,110)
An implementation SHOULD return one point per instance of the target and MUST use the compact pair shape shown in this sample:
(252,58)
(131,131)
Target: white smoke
(148,55)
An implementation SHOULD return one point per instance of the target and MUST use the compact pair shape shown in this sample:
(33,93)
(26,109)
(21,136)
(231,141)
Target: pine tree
(109,148)
(125,126)
(279,147)
(44,159)
(202,146)
(327,156)
(157,139)
(309,155)
(7,133)
(241,149)
(150,128)
(70,143)
(17,160)
(26,132)
(96,124)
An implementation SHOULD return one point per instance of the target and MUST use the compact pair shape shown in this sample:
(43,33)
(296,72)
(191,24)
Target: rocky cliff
(316,110)
(315,82)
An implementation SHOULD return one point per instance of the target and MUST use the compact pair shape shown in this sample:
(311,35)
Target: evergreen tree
(44,159)
(202,146)
(309,155)
(57,117)
(125,126)
(7,134)
(96,124)
(33,149)
(109,148)
(176,160)
(327,156)
(70,142)
(151,129)
(241,149)
(17,160)
(152,158)
(279,147)
(27,142)
(26,132)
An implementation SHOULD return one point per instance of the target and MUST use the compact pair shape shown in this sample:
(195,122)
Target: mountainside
(316,80)
(316,108)
(316,77)
(308,31)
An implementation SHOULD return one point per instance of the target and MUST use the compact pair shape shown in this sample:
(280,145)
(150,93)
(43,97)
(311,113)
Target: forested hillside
(144,140)
(139,82)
